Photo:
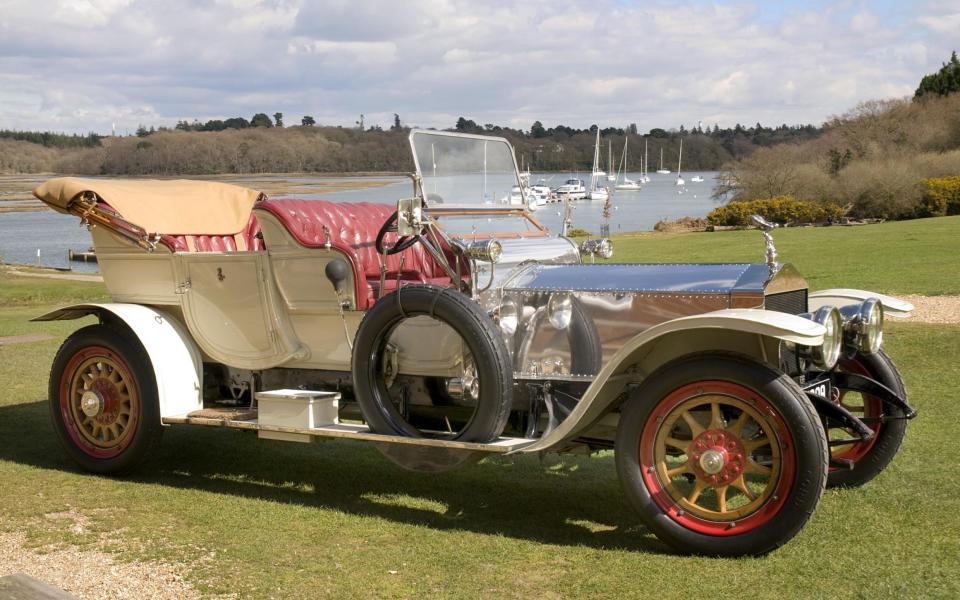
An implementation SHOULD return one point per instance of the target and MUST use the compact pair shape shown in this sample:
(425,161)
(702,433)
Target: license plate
(820,388)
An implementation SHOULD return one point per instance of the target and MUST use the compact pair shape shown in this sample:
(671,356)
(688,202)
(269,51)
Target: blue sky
(82,65)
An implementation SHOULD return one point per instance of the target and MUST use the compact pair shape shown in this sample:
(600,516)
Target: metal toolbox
(296,409)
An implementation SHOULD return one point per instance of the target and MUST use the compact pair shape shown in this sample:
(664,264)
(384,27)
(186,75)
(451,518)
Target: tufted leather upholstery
(353,231)
(217,243)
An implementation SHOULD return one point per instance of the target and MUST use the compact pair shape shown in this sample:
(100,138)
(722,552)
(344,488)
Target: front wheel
(889,426)
(103,399)
(721,455)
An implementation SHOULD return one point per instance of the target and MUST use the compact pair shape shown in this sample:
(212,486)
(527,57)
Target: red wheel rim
(868,407)
(706,440)
(99,402)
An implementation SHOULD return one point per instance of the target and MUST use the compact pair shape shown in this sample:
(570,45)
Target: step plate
(224,418)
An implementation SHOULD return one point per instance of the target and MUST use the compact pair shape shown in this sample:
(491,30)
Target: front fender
(175,358)
(750,331)
(892,307)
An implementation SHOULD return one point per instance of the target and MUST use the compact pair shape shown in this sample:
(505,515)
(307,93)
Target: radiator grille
(794,302)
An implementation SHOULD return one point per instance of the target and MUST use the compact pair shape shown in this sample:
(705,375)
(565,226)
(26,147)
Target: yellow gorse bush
(941,196)
(782,209)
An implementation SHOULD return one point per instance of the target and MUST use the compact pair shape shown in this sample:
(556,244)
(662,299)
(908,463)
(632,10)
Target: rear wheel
(871,457)
(721,455)
(103,399)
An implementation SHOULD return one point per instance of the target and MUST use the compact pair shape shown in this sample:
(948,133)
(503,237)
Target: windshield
(464,169)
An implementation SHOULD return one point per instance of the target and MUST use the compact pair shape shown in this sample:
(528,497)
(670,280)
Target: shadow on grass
(569,501)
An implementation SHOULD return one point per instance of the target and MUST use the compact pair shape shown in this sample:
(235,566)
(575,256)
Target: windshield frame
(486,210)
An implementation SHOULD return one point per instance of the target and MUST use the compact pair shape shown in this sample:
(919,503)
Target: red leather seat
(248,240)
(353,229)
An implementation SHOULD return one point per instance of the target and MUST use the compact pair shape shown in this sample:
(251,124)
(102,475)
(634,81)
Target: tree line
(267,144)
(880,159)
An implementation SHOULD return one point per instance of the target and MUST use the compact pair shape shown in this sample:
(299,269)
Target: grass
(273,519)
(918,257)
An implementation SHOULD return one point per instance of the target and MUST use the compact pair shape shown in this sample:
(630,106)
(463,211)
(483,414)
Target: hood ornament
(771,252)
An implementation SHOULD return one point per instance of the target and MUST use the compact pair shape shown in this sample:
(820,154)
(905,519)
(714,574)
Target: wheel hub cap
(91,404)
(712,462)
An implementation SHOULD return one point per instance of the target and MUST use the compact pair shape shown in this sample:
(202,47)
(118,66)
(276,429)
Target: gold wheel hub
(716,456)
(101,402)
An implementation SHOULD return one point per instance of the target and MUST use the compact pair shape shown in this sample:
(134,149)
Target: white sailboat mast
(596,162)
(680,157)
(625,156)
(609,156)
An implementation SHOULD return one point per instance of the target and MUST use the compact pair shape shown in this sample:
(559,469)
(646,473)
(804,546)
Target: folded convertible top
(176,207)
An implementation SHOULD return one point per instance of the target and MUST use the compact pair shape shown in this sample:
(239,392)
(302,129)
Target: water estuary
(27,228)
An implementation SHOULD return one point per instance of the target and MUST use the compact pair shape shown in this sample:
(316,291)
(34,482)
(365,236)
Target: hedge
(782,209)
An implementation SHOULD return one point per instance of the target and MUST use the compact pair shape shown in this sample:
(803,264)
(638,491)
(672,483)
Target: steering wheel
(402,243)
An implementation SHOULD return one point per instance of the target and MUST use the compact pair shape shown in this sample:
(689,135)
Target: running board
(246,419)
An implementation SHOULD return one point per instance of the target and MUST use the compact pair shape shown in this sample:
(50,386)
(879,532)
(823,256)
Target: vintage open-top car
(455,326)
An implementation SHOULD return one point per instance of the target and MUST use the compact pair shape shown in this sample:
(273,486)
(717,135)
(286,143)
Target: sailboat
(646,165)
(610,175)
(661,170)
(524,173)
(680,180)
(626,184)
(596,192)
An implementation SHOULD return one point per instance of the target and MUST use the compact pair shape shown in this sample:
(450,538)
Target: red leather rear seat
(248,238)
(218,243)
(353,230)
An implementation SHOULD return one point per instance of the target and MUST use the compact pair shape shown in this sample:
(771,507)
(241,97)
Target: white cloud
(359,52)
(575,62)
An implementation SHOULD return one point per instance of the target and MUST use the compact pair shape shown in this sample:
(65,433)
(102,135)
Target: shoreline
(16,196)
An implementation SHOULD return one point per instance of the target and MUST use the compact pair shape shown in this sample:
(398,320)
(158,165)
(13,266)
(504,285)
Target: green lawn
(335,519)
(919,257)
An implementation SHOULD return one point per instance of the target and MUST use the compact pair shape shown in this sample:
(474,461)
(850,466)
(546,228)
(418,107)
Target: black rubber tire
(880,368)
(479,333)
(148,430)
(779,391)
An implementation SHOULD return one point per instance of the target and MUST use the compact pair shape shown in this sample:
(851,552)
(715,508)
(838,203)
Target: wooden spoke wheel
(103,399)
(721,455)
(714,454)
(99,401)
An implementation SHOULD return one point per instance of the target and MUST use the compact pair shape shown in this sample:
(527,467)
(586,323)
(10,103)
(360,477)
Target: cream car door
(233,310)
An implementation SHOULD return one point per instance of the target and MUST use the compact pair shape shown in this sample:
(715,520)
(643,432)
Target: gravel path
(92,574)
(933,309)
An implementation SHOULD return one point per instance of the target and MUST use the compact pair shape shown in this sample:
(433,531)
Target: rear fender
(174,357)
(754,332)
(892,307)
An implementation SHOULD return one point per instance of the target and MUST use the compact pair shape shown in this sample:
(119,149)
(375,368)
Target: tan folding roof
(162,206)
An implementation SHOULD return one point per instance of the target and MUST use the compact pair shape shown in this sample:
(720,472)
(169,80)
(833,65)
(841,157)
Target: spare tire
(480,335)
